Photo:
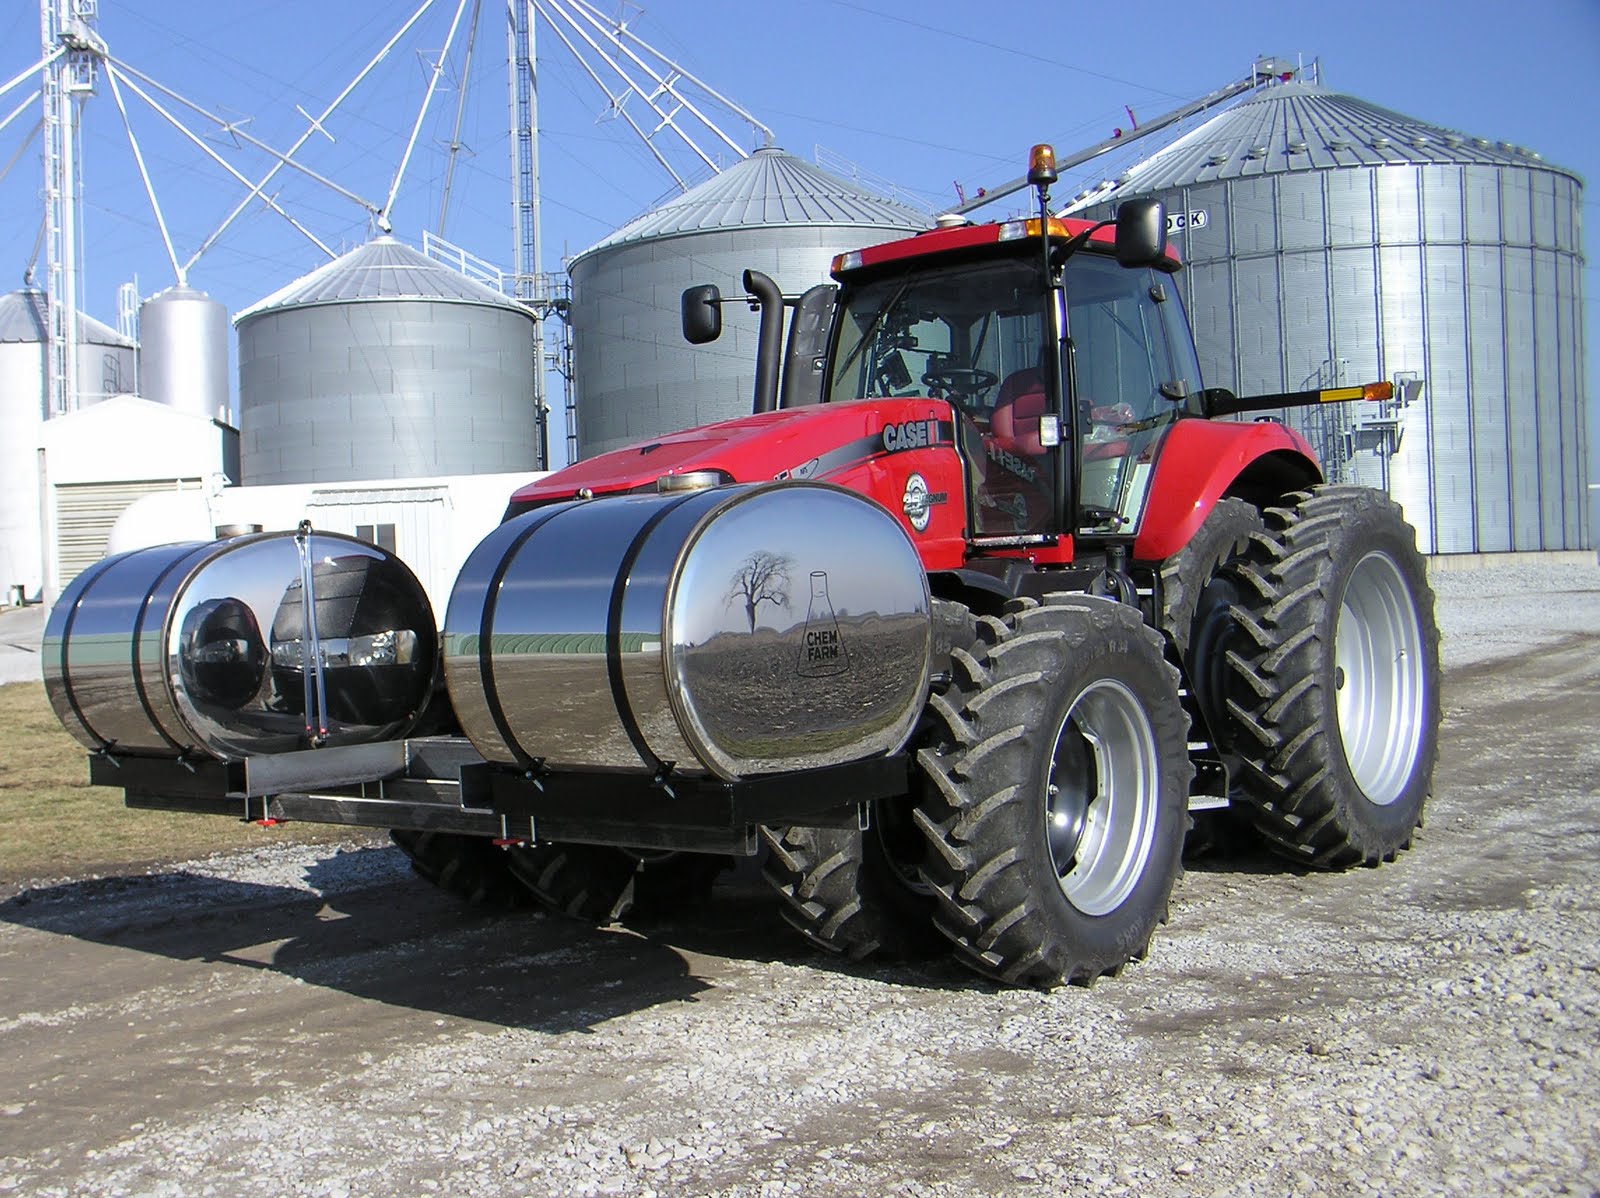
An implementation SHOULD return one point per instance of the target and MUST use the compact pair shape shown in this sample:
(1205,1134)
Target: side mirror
(702,314)
(1141,232)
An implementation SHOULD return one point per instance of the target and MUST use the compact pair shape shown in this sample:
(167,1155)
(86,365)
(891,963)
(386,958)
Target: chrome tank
(736,631)
(201,648)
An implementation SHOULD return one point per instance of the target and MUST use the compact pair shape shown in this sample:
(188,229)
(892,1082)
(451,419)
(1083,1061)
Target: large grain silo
(633,374)
(385,364)
(183,352)
(1332,241)
(105,368)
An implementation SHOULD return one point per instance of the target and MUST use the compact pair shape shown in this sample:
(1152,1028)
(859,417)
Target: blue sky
(925,96)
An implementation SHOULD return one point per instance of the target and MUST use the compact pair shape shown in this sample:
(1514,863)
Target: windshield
(970,335)
(953,334)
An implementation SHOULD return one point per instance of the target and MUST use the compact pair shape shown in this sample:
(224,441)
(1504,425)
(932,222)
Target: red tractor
(958,626)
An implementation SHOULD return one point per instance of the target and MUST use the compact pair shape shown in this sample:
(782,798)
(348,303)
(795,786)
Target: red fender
(1200,461)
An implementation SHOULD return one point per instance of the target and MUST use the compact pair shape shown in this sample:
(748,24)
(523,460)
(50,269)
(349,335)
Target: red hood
(790,443)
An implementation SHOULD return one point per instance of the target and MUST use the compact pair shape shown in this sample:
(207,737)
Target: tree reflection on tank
(762,577)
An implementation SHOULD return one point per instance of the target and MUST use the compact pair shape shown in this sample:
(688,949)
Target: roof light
(1013,230)
(1042,165)
(847,261)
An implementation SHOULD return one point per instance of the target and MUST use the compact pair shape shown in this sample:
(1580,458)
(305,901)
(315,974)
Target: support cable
(422,115)
(233,128)
(287,158)
(117,71)
(633,87)
(144,175)
(461,107)
(21,108)
(621,32)
(616,104)
(42,65)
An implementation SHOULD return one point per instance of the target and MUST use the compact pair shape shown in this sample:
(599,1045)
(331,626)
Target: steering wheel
(960,380)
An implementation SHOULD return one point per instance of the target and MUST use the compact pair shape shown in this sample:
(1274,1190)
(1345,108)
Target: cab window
(1130,384)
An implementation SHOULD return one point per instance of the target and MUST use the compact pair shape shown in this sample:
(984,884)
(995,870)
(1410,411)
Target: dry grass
(54,825)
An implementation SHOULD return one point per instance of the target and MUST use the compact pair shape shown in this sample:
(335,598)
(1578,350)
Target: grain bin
(385,364)
(1329,240)
(183,353)
(634,376)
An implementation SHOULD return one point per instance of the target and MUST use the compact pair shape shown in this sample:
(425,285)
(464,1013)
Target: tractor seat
(1014,423)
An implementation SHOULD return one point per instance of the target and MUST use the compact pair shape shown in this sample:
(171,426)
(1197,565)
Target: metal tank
(1329,241)
(633,374)
(106,362)
(183,353)
(385,364)
(735,631)
(255,644)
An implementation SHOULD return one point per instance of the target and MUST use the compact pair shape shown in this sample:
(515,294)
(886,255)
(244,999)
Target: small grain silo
(1330,241)
(106,362)
(633,374)
(183,352)
(385,364)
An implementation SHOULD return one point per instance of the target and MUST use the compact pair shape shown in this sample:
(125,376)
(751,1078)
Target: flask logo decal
(822,651)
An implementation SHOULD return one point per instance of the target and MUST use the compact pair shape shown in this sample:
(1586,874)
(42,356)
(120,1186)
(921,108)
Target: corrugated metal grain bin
(1332,241)
(385,364)
(634,376)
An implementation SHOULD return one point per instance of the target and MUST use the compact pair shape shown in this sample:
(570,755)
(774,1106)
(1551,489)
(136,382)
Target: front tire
(1334,678)
(1057,795)
(852,891)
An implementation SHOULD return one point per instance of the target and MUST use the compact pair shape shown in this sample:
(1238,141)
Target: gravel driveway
(295,1021)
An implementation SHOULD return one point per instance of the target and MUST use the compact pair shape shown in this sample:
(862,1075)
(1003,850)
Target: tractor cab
(1054,442)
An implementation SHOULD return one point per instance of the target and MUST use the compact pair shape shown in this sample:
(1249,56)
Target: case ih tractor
(957,627)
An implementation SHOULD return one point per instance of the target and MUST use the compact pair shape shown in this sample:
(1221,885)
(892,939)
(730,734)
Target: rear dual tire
(600,884)
(1332,678)
(854,892)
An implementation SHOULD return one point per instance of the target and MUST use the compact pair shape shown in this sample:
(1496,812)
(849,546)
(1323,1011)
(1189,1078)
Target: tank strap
(619,591)
(536,520)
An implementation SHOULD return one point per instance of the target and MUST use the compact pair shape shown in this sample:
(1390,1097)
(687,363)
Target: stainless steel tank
(736,631)
(213,649)
(183,352)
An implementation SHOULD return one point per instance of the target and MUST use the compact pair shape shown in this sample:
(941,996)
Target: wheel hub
(1379,678)
(1072,787)
(1101,797)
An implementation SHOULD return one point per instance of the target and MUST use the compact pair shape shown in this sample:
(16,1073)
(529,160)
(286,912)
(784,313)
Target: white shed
(98,460)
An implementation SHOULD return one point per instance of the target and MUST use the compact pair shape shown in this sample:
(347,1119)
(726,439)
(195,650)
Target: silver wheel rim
(1378,673)
(1101,797)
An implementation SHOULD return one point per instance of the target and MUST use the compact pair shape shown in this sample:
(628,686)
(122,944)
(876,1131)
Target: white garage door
(85,513)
